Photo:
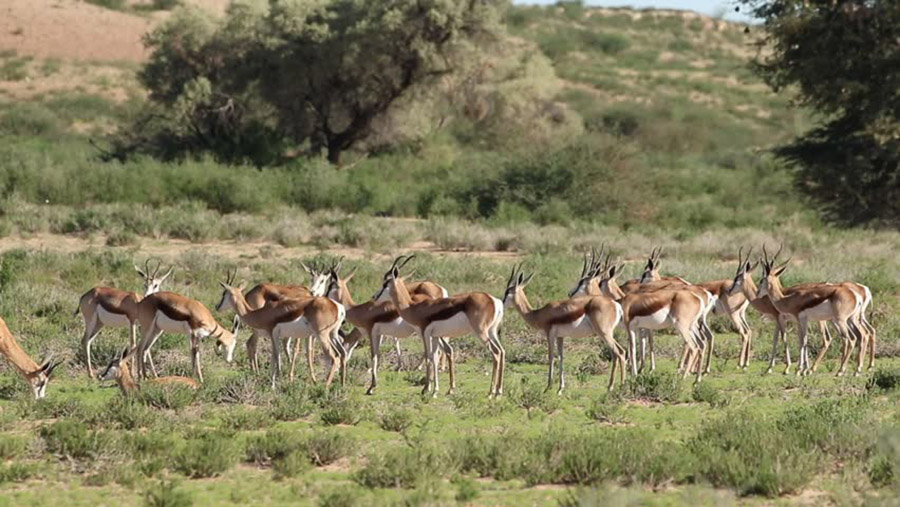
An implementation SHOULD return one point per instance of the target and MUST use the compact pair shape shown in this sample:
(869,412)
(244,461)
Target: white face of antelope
(41,378)
(152,279)
(225,345)
(581,287)
(112,370)
(318,284)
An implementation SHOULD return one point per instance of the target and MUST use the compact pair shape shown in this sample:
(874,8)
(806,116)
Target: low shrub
(73,439)
(341,411)
(16,472)
(290,465)
(531,395)
(207,456)
(275,444)
(245,419)
(705,393)
(326,447)
(607,409)
(11,447)
(405,467)
(292,404)
(348,496)
(398,420)
(167,494)
(657,386)
(749,453)
(886,379)
(129,414)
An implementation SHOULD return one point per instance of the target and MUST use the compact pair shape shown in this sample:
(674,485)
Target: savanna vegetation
(501,134)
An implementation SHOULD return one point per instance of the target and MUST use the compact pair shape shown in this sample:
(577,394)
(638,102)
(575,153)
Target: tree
(312,73)
(842,57)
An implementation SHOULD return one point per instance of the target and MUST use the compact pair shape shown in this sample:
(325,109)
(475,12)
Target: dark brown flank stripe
(176,314)
(447,313)
(386,317)
(567,318)
(106,306)
(644,309)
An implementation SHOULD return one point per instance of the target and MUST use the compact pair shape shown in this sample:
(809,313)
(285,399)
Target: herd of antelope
(597,305)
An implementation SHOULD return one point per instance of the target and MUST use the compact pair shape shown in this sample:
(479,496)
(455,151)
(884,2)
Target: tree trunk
(334,153)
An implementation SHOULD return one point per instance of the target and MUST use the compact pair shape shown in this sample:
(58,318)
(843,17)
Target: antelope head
(651,270)
(743,273)
(515,286)
(771,272)
(393,273)
(230,292)
(319,278)
(41,377)
(152,280)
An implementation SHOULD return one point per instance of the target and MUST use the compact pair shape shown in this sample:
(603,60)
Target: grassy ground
(741,438)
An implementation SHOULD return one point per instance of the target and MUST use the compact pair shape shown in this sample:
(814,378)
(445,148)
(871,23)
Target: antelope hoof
(451,391)
(370,391)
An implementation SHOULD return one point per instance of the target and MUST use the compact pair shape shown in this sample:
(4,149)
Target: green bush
(326,447)
(397,419)
(886,379)
(129,414)
(67,438)
(405,467)
(705,393)
(290,465)
(607,409)
(342,411)
(348,496)
(657,386)
(274,445)
(750,454)
(292,404)
(207,456)
(247,420)
(11,447)
(167,494)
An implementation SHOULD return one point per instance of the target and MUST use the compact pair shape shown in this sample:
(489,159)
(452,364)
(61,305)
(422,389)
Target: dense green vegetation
(666,128)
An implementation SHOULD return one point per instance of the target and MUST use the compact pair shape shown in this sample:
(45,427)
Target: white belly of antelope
(457,325)
(580,328)
(108,318)
(398,328)
(299,328)
(172,326)
(660,319)
(822,311)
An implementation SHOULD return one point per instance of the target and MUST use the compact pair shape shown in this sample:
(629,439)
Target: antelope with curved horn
(600,279)
(578,317)
(302,318)
(376,319)
(651,270)
(37,376)
(119,370)
(264,293)
(173,313)
(475,313)
(818,302)
(106,306)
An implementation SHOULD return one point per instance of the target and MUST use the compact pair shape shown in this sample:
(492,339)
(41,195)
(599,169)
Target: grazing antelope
(106,306)
(475,313)
(119,370)
(377,319)
(819,302)
(303,318)
(578,317)
(261,294)
(37,376)
(173,313)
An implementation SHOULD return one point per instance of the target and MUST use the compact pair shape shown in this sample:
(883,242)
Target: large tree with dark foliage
(310,74)
(842,59)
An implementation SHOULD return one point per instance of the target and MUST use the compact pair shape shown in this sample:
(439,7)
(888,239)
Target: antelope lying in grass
(173,313)
(376,319)
(37,376)
(119,370)
(106,306)
(261,294)
(303,319)
(475,313)
(578,317)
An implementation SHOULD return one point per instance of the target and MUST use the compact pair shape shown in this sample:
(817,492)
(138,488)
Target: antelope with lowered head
(37,376)
(173,313)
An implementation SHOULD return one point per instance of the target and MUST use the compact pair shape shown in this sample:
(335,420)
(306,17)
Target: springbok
(173,313)
(106,306)
(377,319)
(651,270)
(578,317)
(37,376)
(817,302)
(303,319)
(475,313)
(119,370)
(600,278)
(263,293)
(425,288)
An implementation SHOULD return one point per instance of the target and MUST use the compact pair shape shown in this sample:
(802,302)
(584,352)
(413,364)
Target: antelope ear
(242,285)
(781,269)
(521,279)
(395,273)
(168,273)
(350,276)
(224,285)
(143,275)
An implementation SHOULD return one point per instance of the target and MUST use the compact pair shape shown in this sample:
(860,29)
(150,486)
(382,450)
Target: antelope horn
(765,256)
(409,258)
(780,248)
(336,267)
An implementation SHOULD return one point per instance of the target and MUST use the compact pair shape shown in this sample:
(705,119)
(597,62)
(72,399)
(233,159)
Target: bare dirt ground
(79,31)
